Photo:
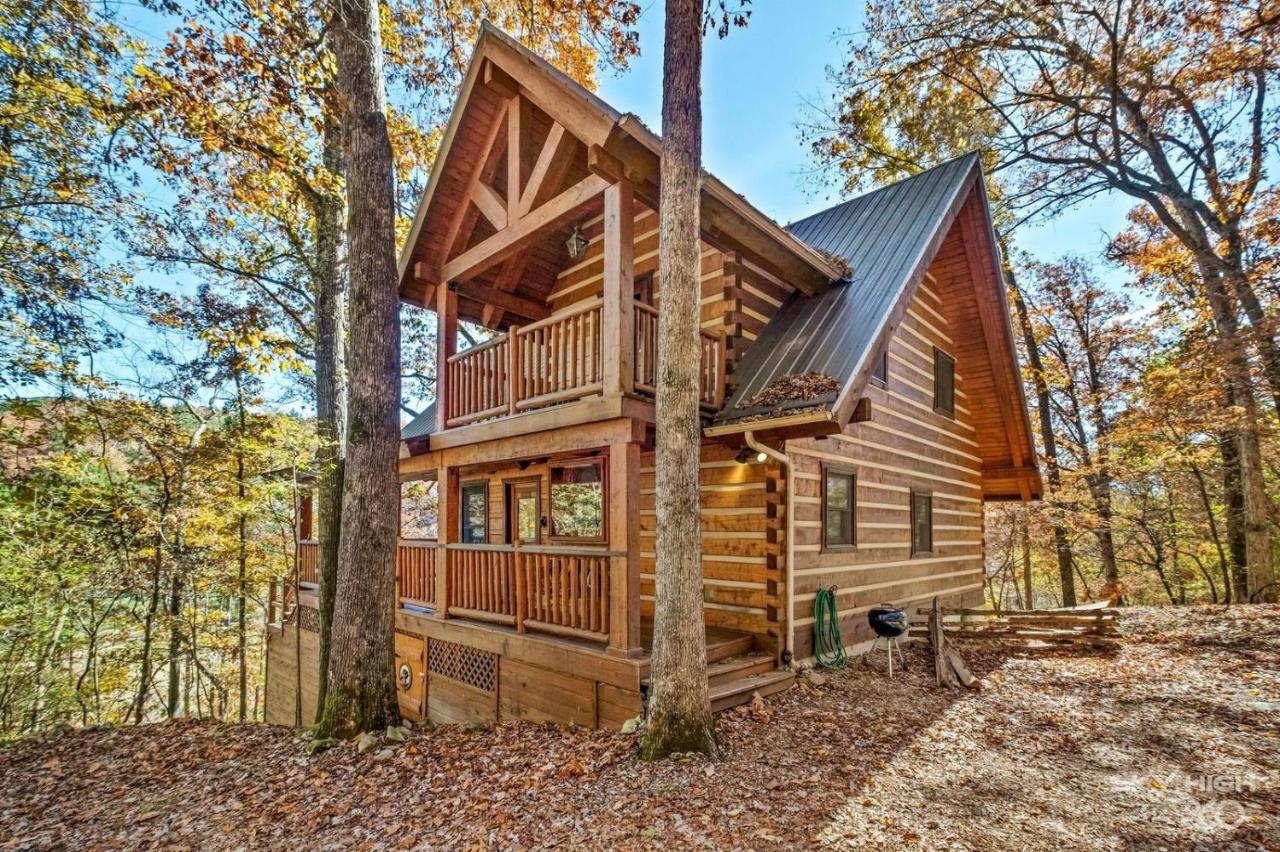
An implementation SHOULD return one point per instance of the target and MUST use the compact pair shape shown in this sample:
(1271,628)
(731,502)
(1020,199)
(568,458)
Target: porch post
(618,321)
(624,536)
(447,515)
(446,346)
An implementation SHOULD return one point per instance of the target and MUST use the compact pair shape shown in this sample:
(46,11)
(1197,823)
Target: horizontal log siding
(737,295)
(741,566)
(905,445)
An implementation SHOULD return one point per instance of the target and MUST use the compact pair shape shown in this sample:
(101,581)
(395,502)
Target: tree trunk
(330,407)
(1106,537)
(1233,497)
(148,638)
(679,702)
(1028,600)
(1256,504)
(1223,565)
(361,691)
(1062,546)
(175,641)
(1263,333)
(242,579)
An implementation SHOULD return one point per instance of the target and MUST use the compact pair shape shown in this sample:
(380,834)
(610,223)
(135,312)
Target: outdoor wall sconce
(577,242)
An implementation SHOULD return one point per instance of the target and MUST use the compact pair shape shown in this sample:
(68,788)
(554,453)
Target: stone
(632,725)
(396,734)
(817,679)
(366,742)
(476,727)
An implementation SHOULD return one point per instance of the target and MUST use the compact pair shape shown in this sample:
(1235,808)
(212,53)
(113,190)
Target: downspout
(789,532)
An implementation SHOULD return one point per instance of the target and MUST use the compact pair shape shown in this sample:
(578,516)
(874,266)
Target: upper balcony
(562,358)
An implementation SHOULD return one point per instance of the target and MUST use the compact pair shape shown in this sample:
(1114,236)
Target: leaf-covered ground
(1171,742)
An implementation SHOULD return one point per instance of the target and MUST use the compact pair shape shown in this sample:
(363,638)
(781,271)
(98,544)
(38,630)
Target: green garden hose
(828,643)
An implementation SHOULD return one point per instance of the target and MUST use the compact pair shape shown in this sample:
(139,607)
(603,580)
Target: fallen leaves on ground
(1172,741)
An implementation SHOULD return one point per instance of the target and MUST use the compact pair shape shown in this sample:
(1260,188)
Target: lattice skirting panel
(309,618)
(463,663)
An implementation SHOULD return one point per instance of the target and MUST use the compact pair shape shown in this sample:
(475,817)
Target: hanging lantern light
(577,242)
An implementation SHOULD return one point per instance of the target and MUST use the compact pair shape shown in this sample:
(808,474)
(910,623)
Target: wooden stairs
(737,669)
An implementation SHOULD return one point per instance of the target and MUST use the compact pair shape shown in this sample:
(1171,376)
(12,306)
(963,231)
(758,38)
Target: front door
(525,518)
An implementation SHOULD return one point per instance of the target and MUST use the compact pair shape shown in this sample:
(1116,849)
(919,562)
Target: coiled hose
(828,643)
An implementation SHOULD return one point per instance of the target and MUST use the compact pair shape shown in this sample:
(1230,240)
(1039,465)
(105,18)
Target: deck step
(736,668)
(735,646)
(739,691)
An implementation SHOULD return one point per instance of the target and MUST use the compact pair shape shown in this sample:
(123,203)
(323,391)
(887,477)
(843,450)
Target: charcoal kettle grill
(890,624)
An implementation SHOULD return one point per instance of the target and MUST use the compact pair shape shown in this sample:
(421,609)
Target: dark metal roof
(421,426)
(884,236)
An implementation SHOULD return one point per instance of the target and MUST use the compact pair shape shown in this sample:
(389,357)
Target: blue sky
(755,85)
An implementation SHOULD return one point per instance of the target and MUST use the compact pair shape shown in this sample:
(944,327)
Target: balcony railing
(711,365)
(416,573)
(308,562)
(560,590)
(559,359)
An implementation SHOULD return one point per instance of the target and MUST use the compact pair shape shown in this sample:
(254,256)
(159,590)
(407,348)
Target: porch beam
(624,537)
(499,298)
(490,204)
(446,347)
(618,315)
(552,159)
(448,510)
(464,217)
(521,233)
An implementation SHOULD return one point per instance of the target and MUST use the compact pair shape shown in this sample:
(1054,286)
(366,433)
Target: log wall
(906,445)
(737,295)
(741,567)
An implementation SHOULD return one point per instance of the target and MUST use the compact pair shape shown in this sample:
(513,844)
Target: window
(921,522)
(418,509)
(475,512)
(839,501)
(880,375)
(944,383)
(577,501)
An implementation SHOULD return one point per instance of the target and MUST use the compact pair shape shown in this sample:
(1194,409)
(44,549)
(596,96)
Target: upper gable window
(944,383)
(880,373)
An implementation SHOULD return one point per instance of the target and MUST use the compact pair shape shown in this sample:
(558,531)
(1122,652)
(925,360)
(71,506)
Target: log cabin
(858,381)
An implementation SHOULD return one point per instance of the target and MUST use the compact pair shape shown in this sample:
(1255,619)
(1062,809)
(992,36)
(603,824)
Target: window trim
(938,357)
(842,470)
(483,485)
(914,493)
(884,363)
(552,534)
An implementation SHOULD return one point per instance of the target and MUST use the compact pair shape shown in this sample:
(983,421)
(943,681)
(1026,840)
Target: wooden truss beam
(519,234)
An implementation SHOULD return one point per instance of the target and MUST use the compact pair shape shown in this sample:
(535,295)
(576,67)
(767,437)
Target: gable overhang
(1020,480)
(619,147)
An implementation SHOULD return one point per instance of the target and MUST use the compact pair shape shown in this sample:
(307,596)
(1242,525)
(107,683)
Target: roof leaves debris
(793,387)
